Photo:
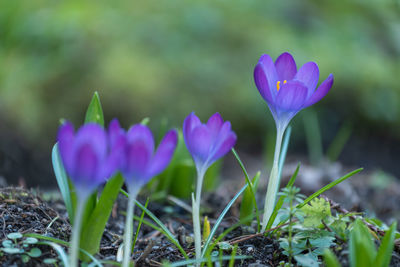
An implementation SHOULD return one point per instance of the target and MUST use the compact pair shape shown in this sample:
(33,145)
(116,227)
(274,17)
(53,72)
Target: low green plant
(17,244)
(362,250)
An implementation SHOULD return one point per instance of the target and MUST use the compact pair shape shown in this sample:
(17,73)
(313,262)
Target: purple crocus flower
(138,160)
(286,89)
(86,156)
(207,142)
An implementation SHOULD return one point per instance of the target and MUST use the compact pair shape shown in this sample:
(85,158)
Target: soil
(25,211)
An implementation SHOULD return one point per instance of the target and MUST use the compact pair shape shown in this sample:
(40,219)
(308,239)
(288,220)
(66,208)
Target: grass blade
(330,259)
(166,232)
(60,251)
(62,181)
(329,186)
(139,225)
(248,201)
(386,249)
(252,187)
(213,259)
(92,231)
(220,218)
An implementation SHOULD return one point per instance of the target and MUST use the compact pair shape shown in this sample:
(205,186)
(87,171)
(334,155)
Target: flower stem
(76,230)
(133,191)
(196,214)
(273,182)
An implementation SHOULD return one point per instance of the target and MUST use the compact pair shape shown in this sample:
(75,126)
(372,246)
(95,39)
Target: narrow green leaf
(330,259)
(252,187)
(94,228)
(94,112)
(329,186)
(233,256)
(281,199)
(213,259)
(386,249)
(140,225)
(60,251)
(62,181)
(247,206)
(362,249)
(167,233)
(339,142)
(55,241)
(220,218)
(313,136)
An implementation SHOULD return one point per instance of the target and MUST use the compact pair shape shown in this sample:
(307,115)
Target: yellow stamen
(278,84)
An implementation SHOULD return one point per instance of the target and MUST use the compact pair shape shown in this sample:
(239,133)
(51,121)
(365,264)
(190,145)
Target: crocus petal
(191,122)
(85,166)
(321,91)
(65,140)
(262,83)
(291,96)
(114,132)
(214,124)
(164,153)
(141,132)
(94,135)
(137,161)
(266,77)
(309,75)
(114,159)
(225,146)
(199,143)
(285,67)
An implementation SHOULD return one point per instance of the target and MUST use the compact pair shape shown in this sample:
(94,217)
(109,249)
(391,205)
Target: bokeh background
(164,59)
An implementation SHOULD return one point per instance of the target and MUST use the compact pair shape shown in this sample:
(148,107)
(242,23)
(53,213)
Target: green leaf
(60,251)
(252,188)
(95,225)
(167,233)
(219,220)
(7,243)
(35,252)
(30,240)
(329,186)
(50,261)
(318,210)
(386,249)
(25,258)
(14,235)
(94,112)
(330,259)
(62,181)
(12,250)
(213,259)
(307,260)
(362,249)
(139,225)
(248,201)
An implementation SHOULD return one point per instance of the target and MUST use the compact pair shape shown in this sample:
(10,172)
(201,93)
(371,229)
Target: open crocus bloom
(286,89)
(86,156)
(207,142)
(138,160)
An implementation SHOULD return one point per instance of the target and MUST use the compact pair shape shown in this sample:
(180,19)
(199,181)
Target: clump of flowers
(286,91)
(138,162)
(88,160)
(206,143)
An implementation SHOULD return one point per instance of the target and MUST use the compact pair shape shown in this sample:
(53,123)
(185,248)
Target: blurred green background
(164,59)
